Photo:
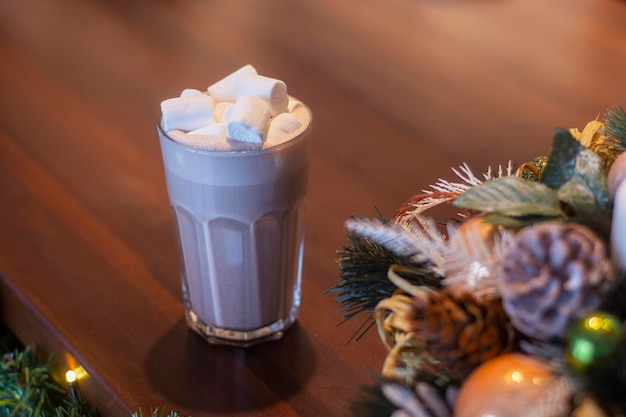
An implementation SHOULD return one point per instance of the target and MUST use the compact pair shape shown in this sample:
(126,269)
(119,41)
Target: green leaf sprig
(572,187)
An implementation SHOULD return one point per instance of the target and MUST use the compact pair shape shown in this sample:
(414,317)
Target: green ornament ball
(593,341)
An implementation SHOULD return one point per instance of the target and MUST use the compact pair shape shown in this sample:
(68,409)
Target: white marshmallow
(293,104)
(281,126)
(190,92)
(273,91)
(217,130)
(223,110)
(249,120)
(224,89)
(227,113)
(209,138)
(187,113)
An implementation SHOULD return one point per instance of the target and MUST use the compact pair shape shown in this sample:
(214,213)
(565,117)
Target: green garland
(28,390)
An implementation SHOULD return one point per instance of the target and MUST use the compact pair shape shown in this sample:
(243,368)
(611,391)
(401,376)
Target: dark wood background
(401,90)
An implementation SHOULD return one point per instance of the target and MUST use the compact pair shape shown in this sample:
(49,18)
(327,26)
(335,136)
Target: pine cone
(552,273)
(459,331)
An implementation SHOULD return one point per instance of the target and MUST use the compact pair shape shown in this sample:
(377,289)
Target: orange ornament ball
(505,386)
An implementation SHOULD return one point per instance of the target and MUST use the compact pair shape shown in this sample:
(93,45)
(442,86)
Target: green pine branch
(615,122)
(363,281)
(156,412)
(371,403)
(27,389)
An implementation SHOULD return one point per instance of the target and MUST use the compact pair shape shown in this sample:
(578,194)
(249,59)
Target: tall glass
(239,220)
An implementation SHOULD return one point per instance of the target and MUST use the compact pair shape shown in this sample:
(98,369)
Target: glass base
(246,338)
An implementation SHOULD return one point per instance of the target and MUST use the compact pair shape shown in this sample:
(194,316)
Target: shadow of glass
(191,374)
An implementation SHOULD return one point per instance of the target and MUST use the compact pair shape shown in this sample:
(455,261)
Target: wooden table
(401,90)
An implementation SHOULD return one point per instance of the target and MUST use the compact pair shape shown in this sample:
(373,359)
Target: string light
(72,377)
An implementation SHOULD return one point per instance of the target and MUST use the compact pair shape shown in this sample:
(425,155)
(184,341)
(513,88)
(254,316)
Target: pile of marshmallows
(243,106)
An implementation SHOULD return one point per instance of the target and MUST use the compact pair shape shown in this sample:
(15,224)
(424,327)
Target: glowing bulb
(599,324)
(75,374)
(584,351)
(70,376)
(594,323)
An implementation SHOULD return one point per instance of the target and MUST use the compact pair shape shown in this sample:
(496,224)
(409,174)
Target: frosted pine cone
(552,273)
(459,331)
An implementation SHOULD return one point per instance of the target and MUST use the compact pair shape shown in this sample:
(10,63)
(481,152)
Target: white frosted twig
(501,173)
(466,174)
(421,245)
(471,262)
(434,243)
(469,178)
(428,202)
(444,190)
(392,236)
(445,186)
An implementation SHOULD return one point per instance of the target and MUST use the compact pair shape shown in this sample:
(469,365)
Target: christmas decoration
(470,259)
(551,273)
(520,306)
(511,385)
(593,341)
(28,390)
(456,331)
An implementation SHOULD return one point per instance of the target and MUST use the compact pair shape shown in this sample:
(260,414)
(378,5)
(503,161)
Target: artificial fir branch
(419,241)
(27,390)
(363,279)
(372,403)
(616,126)
(156,412)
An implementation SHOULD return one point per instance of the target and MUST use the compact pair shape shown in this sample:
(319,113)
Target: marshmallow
(228,111)
(190,92)
(249,120)
(223,110)
(293,104)
(213,130)
(224,89)
(187,113)
(273,91)
(281,126)
(208,138)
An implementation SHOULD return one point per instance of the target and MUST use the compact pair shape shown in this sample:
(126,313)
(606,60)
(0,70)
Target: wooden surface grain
(401,91)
